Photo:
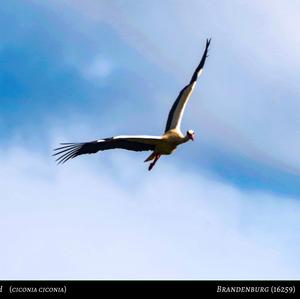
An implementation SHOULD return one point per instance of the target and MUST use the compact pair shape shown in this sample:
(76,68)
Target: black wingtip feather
(68,151)
(64,150)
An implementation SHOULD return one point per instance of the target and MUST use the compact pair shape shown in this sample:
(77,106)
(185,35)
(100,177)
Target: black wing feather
(202,62)
(72,150)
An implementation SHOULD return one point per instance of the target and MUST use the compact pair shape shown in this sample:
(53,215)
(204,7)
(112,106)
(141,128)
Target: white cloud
(113,219)
(98,68)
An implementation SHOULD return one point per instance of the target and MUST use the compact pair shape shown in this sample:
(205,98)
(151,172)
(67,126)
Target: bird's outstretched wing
(133,143)
(177,110)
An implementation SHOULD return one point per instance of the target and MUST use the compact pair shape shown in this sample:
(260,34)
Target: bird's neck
(185,139)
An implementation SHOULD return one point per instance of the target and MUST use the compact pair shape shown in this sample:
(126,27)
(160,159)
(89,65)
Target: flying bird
(159,145)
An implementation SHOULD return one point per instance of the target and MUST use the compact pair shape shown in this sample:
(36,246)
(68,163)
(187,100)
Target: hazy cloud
(113,219)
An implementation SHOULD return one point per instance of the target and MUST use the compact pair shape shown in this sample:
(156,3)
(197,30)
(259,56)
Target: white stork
(160,145)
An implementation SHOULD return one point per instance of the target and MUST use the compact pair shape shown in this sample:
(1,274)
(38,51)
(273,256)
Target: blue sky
(225,206)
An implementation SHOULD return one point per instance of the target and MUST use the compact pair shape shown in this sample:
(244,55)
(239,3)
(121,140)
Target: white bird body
(159,145)
(170,140)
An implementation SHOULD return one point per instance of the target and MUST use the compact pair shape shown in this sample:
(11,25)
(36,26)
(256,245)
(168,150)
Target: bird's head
(190,134)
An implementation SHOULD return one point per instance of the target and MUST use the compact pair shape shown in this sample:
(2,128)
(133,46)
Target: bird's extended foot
(151,166)
(154,161)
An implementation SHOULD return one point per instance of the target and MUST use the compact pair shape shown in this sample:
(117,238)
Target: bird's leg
(154,161)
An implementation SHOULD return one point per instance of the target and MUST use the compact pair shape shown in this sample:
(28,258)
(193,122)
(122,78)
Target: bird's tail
(150,158)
